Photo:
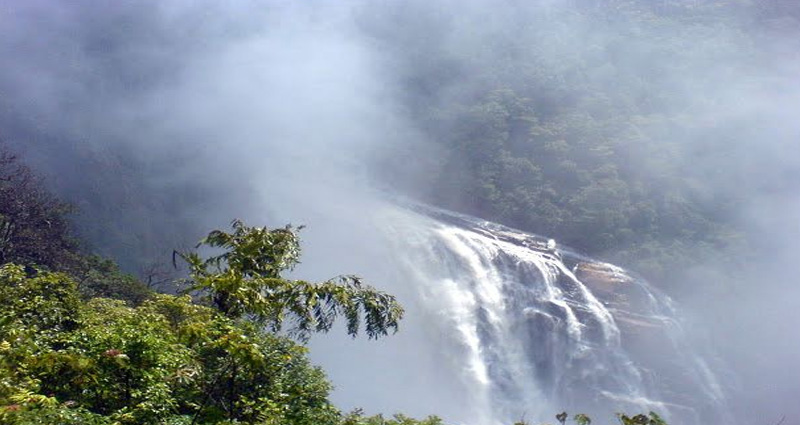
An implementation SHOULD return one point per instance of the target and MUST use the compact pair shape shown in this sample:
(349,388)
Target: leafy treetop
(245,280)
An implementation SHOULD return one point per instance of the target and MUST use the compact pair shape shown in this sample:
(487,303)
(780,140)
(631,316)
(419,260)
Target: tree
(167,361)
(101,277)
(357,417)
(33,223)
(245,280)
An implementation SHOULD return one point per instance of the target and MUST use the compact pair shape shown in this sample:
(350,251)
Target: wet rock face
(603,278)
(647,332)
(629,303)
(608,283)
(615,288)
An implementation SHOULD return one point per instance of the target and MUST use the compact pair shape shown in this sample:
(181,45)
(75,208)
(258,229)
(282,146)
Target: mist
(162,120)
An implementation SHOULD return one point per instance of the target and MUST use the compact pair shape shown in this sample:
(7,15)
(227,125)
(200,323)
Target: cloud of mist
(184,114)
(251,108)
(283,111)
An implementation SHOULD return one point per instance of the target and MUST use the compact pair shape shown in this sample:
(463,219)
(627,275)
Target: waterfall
(531,328)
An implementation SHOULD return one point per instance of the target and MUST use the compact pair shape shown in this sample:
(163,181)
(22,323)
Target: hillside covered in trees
(637,131)
(641,132)
(83,343)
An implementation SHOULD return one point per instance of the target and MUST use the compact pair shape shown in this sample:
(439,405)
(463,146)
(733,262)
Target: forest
(85,343)
(657,135)
(609,147)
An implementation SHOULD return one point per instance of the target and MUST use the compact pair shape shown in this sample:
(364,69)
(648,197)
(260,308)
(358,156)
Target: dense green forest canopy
(615,126)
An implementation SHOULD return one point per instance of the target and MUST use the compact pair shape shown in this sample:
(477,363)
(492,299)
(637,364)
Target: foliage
(101,277)
(35,231)
(245,280)
(357,418)
(582,419)
(599,138)
(641,419)
(68,356)
(34,228)
(166,361)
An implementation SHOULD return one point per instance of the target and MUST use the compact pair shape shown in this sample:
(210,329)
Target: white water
(518,335)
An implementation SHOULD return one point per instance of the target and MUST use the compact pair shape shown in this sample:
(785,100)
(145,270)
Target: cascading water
(531,328)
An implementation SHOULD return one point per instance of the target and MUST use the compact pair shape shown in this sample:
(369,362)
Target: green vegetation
(601,123)
(33,224)
(166,361)
(590,139)
(245,280)
(35,231)
(83,343)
